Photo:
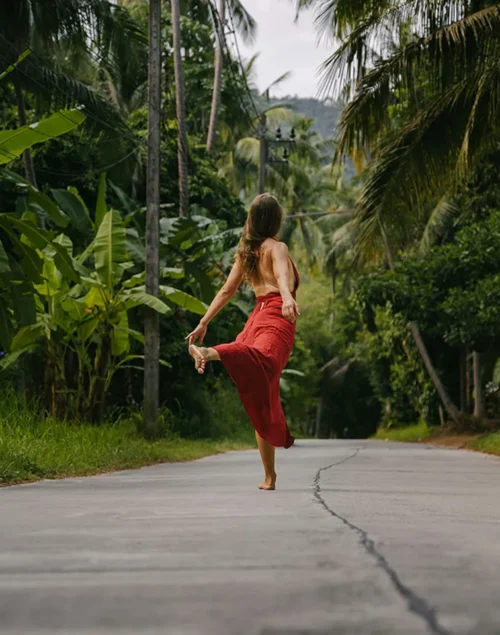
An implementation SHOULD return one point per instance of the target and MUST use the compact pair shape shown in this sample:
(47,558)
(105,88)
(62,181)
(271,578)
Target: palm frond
(367,116)
(248,150)
(65,91)
(282,78)
(438,223)
(244,22)
(419,165)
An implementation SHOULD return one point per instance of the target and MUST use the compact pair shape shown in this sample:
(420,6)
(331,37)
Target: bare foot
(200,357)
(268,484)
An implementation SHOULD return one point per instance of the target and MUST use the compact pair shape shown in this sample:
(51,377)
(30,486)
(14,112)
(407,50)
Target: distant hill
(326,114)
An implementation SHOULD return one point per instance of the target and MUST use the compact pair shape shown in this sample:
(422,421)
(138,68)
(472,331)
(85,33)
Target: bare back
(265,281)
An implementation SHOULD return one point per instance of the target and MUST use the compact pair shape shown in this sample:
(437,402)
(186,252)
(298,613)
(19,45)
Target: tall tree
(152,324)
(181,112)
(244,24)
(423,111)
(219,61)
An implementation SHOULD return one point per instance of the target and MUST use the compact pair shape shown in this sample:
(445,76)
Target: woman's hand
(198,335)
(290,310)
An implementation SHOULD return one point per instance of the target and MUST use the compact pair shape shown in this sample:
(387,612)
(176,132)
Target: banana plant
(20,263)
(83,322)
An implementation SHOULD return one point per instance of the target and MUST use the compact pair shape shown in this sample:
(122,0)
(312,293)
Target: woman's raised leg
(267,454)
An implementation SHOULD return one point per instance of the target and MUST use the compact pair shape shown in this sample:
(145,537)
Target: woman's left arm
(222,298)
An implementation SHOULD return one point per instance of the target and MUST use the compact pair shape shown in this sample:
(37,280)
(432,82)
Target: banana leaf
(4,259)
(14,142)
(36,199)
(75,209)
(40,240)
(184,300)
(138,297)
(110,248)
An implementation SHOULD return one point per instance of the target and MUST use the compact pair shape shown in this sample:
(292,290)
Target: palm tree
(48,28)
(247,26)
(181,111)
(424,107)
(219,61)
(151,322)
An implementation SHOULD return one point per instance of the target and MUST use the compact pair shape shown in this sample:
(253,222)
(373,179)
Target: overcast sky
(284,46)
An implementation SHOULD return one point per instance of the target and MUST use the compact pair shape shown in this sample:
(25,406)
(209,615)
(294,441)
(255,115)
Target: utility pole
(272,151)
(262,130)
(152,321)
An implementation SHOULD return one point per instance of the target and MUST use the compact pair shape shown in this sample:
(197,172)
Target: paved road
(360,538)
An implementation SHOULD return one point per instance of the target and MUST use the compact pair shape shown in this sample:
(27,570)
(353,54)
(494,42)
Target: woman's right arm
(290,308)
(222,298)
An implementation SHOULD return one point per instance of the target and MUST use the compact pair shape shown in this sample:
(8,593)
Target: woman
(260,353)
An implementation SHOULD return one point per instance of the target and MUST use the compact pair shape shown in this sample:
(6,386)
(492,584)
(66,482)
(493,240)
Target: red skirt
(255,362)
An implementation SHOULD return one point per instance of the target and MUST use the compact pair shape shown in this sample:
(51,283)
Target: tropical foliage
(399,264)
(421,127)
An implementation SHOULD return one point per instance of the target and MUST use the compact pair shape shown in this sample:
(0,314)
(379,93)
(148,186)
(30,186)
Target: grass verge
(31,449)
(409,434)
(488,443)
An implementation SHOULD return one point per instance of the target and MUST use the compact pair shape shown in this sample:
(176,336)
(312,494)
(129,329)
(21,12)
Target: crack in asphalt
(415,603)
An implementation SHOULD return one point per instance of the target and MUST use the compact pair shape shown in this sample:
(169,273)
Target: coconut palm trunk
(452,411)
(182,151)
(151,321)
(479,409)
(219,62)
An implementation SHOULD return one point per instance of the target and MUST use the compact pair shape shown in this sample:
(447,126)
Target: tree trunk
(453,412)
(29,169)
(317,423)
(463,379)
(479,409)
(98,381)
(152,321)
(468,383)
(219,61)
(449,406)
(81,398)
(182,150)
(334,291)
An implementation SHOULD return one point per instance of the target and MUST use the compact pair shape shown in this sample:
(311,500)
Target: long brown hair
(264,221)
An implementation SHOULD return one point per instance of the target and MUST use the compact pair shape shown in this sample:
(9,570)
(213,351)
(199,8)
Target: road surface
(361,538)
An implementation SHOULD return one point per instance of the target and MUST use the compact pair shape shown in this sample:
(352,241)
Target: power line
(89,115)
(221,36)
(230,11)
(57,88)
(339,212)
(104,168)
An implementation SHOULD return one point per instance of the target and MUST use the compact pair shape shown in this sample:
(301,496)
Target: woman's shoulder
(278,248)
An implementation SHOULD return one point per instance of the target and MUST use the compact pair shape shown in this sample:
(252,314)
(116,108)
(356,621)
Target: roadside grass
(409,434)
(489,443)
(33,448)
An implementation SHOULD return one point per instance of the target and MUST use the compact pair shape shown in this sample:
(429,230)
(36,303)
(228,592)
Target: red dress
(255,362)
